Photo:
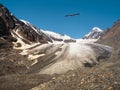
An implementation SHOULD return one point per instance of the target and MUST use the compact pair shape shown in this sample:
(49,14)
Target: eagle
(75,14)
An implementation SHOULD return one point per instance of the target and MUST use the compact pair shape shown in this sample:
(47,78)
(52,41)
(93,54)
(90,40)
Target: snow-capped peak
(96,33)
(97,29)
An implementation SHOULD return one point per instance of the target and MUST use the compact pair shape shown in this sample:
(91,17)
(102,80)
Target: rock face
(96,33)
(7,22)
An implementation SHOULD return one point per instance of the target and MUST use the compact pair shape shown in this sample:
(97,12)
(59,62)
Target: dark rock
(9,23)
(69,40)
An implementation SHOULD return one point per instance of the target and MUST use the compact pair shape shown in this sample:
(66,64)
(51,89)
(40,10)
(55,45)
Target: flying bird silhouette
(72,14)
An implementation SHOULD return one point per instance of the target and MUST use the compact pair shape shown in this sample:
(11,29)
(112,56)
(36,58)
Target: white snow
(97,29)
(26,22)
(73,56)
(56,35)
(86,40)
(31,57)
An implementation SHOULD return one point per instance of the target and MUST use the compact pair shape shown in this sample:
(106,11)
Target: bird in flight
(75,14)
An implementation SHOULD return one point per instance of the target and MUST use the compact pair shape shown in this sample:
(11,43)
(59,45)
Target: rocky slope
(112,38)
(27,55)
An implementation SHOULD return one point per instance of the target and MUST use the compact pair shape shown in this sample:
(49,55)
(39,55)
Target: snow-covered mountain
(58,37)
(44,55)
(96,33)
(55,37)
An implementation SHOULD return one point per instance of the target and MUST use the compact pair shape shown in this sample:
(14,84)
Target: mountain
(11,26)
(59,37)
(96,33)
(54,37)
(30,57)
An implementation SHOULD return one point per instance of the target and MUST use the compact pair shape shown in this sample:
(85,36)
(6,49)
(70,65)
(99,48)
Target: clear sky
(49,14)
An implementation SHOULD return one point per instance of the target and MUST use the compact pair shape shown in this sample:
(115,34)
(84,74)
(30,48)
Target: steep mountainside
(112,36)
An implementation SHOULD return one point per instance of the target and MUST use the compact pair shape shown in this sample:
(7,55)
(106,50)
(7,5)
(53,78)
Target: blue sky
(49,14)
